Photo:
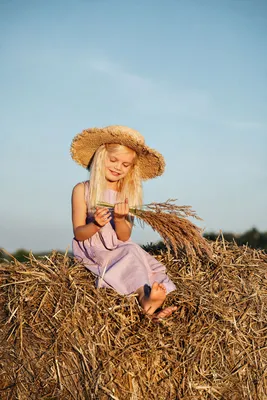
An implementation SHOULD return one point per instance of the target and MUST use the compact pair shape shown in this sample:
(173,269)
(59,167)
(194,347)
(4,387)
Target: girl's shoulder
(80,193)
(81,187)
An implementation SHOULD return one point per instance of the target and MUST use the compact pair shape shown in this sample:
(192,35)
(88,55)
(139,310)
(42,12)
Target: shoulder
(79,188)
(78,196)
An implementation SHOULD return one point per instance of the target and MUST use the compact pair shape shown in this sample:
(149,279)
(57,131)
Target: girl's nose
(117,166)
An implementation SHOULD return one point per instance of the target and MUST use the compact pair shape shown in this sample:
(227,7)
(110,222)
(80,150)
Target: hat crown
(128,131)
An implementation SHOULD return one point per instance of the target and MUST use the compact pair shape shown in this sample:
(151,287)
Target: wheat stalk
(170,221)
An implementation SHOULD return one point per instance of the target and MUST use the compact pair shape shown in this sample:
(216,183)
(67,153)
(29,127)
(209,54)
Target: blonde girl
(118,160)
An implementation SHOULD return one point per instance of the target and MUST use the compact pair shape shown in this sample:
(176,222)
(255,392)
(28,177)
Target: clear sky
(190,75)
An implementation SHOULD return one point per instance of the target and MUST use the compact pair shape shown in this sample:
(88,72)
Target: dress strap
(86,194)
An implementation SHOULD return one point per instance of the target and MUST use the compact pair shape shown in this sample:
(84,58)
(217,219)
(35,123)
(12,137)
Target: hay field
(63,339)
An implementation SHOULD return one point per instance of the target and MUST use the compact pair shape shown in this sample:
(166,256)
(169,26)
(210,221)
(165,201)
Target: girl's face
(118,163)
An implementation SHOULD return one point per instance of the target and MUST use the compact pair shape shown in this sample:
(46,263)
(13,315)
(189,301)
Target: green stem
(108,205)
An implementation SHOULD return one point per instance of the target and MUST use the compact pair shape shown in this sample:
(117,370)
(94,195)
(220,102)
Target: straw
(61,338)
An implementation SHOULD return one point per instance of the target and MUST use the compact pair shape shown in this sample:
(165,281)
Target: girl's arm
(123,227)
(81,230)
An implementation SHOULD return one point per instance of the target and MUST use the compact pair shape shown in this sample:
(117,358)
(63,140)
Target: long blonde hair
(128,187)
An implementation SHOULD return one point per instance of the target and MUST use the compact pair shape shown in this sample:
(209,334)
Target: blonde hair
(128,187)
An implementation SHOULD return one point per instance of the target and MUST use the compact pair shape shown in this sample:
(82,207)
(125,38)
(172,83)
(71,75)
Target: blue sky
(191,76)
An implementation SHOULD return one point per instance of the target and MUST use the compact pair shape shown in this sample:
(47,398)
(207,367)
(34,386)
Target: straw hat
(84,145)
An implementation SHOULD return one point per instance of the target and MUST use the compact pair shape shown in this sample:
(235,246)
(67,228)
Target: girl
(118,159)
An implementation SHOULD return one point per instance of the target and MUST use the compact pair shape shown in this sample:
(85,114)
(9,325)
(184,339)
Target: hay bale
(63,339)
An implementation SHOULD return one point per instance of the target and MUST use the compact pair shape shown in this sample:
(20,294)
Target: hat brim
(84,145)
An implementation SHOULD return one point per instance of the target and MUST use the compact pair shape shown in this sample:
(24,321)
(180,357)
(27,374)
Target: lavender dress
(123,266)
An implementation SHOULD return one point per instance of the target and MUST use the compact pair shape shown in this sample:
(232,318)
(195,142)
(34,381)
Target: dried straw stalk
(61,338)
(171,222)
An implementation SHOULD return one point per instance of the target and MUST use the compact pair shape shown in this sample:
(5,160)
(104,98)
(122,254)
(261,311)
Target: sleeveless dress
(123,266)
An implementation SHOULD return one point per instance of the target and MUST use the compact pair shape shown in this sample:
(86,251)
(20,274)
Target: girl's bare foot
(155,299)
(162,314)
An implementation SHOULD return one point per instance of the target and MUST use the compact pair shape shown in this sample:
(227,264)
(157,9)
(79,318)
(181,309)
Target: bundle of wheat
(171,222)
(61,338)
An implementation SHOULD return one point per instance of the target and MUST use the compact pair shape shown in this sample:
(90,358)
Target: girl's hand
(102,216)
(121,210)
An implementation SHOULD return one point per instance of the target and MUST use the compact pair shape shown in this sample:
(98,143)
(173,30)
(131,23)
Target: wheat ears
(171,222)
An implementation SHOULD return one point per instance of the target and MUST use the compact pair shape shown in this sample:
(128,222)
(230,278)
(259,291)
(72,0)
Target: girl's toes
(162,287)
(167,312)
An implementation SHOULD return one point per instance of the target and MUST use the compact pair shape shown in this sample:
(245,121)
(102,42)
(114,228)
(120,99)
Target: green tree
(21,255)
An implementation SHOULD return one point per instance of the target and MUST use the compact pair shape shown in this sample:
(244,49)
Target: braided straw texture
(151,163)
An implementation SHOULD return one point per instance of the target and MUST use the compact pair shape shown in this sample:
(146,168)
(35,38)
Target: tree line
(253,238)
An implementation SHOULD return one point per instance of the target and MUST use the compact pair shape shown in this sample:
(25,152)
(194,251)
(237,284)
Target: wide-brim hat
(84,145)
